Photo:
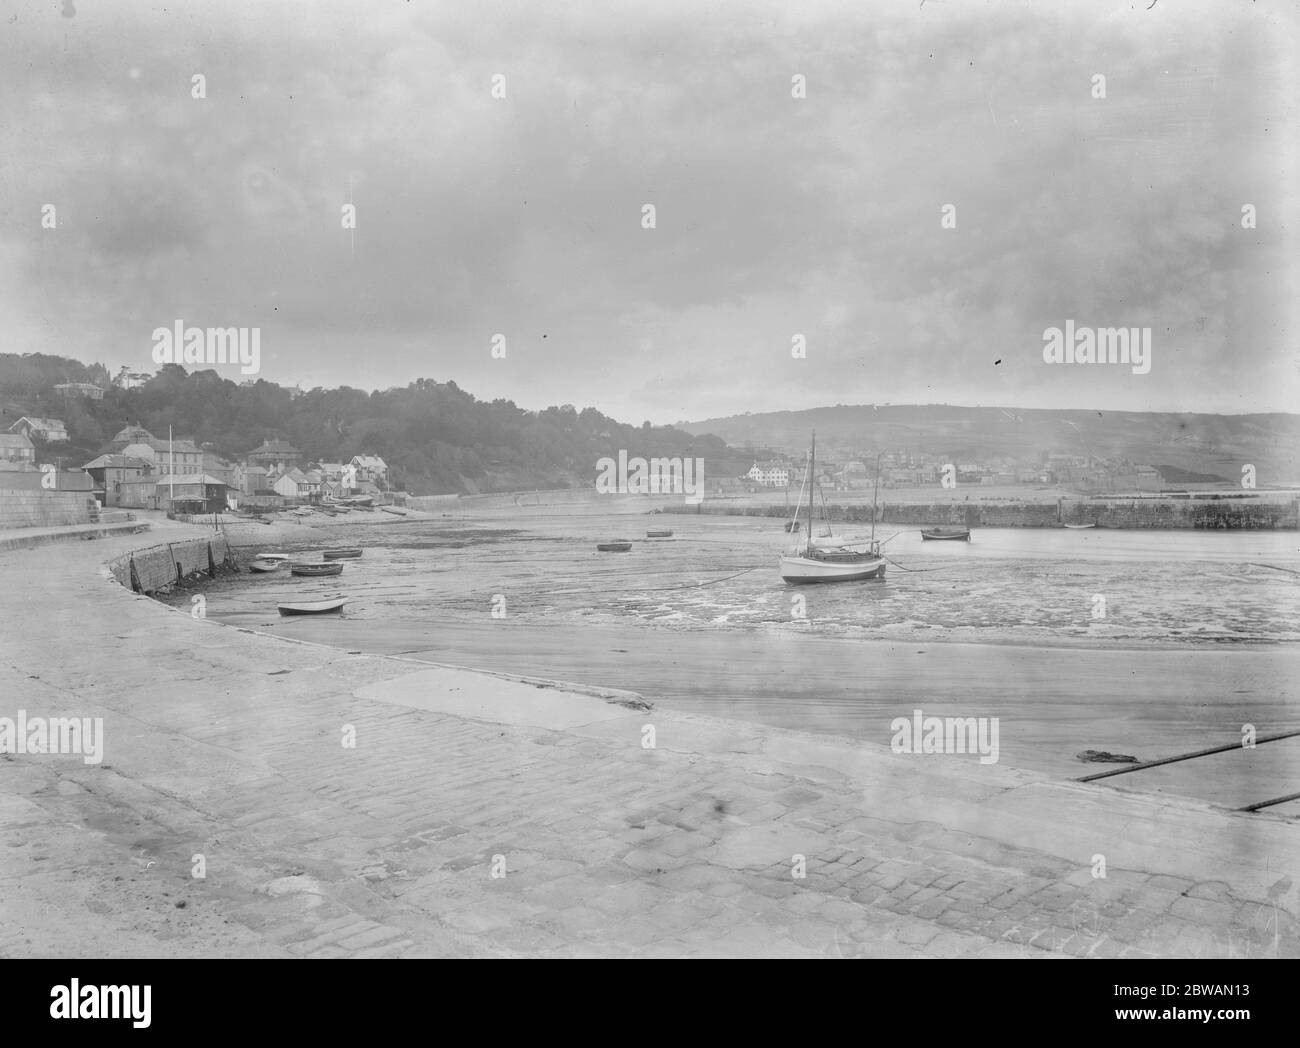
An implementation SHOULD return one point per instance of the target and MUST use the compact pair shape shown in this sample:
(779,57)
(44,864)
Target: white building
(769,474)
(369,467)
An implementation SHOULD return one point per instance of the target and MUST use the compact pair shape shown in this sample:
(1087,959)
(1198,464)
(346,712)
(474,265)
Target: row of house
(139,470)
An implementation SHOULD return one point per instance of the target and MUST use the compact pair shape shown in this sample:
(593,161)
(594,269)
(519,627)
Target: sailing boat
(830,558)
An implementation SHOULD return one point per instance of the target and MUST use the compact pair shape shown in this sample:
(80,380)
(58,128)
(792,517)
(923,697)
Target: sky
(1115,203)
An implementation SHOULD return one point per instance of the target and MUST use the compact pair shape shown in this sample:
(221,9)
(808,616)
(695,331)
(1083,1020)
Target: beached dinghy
(659,534)
(830,558)
(340,554)
(310,570)
(260,565)
(946,534)
(1080,527)
(312,607)
(613,547)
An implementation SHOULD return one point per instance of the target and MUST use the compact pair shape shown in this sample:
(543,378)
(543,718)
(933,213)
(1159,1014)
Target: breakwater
(1234,515)
(158,568)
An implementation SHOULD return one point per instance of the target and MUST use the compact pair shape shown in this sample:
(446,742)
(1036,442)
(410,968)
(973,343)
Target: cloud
(775,215)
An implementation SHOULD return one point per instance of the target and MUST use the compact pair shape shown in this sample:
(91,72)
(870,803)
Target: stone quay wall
(43,509)
(1236,515)
(161,567)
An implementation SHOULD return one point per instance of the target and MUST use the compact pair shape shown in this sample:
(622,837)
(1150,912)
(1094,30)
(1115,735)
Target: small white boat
(829,558)
(273,556)
(838,565)
(312,607)
(265,565)
(1080,527)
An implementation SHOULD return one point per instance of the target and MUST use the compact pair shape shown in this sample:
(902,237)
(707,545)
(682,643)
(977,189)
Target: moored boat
(312,607)
(314,570)
(946,534)
(1080,527)
(659,534)
(829,558)
(259,565)
(341,554)
(613,547)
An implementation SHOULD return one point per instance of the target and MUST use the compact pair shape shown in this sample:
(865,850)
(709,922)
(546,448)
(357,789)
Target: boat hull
(341,554)
(265,565)
(1080,527)
(316,607)
(613,547)
(316,570)
(658,534)
(810,569)
(945,535)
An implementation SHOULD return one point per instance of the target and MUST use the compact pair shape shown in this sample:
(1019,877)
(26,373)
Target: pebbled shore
(228,744)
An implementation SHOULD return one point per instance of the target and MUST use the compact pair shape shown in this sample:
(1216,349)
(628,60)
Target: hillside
(1210,445)
(435,437)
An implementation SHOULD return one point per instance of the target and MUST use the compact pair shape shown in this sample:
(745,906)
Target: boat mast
(812,483)
(875,491)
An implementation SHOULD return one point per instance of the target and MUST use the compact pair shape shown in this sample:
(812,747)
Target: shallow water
(1036,586)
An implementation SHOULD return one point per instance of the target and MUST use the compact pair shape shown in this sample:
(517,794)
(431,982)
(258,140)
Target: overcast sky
(775,215)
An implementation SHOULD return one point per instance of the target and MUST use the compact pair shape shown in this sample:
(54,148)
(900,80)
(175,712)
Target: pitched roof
(187,478)
(39,423)
(119,461)
(15,440)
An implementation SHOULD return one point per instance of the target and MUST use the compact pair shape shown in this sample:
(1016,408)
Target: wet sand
(1052,703)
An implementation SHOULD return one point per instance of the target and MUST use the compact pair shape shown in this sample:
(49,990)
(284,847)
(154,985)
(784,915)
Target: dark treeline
(434,436)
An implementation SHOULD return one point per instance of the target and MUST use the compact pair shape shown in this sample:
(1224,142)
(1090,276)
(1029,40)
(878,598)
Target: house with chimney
(274,455)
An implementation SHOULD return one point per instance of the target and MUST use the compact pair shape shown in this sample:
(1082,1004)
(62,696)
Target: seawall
(36,508)
(160,567)
(1242,514)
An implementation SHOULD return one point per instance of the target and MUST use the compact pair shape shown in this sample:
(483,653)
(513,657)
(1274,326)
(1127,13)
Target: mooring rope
(1275,568)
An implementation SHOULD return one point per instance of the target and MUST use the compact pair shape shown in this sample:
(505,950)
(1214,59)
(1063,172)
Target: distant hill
(1211,445)
(435,437)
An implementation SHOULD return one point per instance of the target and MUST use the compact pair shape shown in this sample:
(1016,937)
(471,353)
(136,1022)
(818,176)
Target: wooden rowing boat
(946,534)
(312,607)
(340,554)
(659,534)
(1080,527)
(613,547)
(258,565)
(310,570)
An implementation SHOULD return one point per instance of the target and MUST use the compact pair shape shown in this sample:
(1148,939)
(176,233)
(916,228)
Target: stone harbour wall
(1224,514)
(38,508)
(156,567)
